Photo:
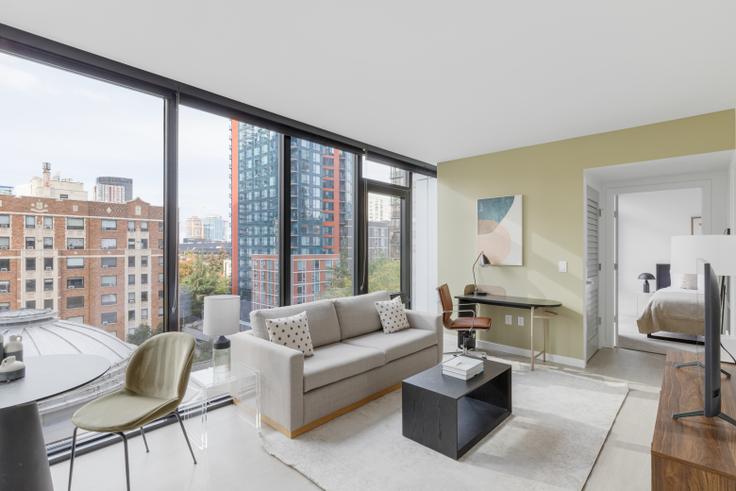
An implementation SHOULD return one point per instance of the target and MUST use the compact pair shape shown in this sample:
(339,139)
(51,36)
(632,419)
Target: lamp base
(221,356)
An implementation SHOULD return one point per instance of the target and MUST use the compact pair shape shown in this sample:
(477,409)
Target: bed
(672,309)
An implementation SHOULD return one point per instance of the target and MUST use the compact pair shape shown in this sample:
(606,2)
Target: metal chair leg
(186,437)
(127,464)
(145,442)
(71,459)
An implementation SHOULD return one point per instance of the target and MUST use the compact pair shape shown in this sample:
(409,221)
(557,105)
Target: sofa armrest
(282,377)
(430,322)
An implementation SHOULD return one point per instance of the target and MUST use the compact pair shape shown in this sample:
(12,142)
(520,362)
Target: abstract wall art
(500,229)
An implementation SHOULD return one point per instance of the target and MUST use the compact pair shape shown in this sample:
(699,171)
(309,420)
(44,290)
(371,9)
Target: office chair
(465,326)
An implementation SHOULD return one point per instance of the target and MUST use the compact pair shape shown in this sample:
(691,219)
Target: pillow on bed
(689,281)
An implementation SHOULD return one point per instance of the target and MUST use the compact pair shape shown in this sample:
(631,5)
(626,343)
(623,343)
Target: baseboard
(328,417)
(514,350)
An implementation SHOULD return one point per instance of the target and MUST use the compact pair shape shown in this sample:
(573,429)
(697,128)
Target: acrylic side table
(242,383)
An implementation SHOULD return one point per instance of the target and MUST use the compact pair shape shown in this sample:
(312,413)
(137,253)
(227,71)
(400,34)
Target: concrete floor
(235,460)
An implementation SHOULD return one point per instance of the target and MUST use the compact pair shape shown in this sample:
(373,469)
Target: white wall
(424,244)
(647,221)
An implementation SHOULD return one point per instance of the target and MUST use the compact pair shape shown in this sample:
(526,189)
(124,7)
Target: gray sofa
(353,363)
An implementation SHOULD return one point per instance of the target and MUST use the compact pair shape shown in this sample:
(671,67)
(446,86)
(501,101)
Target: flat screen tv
(712,362)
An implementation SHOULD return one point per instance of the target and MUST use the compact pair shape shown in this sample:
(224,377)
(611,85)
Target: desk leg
(531,334)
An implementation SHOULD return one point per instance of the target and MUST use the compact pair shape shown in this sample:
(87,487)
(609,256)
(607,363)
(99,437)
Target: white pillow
(392,314)
(292,332)
(689,281)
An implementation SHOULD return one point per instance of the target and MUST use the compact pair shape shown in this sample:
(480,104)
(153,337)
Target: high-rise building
(213,228)
(47,186)
(193,228)
(379,208)
(96,263)
(113,189)
(321,218)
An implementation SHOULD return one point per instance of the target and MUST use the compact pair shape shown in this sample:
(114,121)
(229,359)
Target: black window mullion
(360,262)
(285,222)
(171,219)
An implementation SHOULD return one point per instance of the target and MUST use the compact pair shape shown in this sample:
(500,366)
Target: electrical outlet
(520,321)
(509,320)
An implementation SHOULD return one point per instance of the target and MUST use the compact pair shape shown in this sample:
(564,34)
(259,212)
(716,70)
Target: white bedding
(675,310)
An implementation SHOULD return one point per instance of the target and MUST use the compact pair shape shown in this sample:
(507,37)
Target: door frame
(610,238)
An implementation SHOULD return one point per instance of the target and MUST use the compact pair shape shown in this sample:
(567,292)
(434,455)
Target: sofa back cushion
(358,315)
(323,326)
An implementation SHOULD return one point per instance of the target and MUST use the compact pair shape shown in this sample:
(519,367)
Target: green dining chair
(155,383)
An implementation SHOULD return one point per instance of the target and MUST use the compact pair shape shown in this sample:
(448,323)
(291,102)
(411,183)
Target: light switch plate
(562,266)
(520,321)
(509,320)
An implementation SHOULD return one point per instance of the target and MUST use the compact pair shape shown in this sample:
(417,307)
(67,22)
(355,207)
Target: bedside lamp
(221,318)
(646,277)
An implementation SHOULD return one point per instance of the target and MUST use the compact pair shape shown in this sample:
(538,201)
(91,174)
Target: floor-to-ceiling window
(322,217)
(387,227)
(81,217)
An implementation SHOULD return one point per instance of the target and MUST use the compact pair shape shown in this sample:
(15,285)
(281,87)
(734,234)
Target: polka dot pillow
(392,314)
(292,332)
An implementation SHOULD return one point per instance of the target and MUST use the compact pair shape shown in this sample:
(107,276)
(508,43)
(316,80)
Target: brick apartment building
(93,262)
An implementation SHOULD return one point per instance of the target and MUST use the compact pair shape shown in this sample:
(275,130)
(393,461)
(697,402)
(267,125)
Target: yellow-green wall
(550,177)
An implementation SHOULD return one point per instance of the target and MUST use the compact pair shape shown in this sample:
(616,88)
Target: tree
(384,274)
(201,275)
(139,334)
(342,279)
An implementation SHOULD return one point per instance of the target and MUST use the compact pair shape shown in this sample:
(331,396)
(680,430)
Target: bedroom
(643,205)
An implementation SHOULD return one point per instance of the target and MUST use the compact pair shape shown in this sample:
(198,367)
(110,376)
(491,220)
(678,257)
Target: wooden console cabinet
(694,453)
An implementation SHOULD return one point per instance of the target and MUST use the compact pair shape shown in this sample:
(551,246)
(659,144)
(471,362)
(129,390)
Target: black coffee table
(450,415)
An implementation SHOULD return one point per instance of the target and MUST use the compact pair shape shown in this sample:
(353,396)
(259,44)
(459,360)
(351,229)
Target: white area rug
(551,441)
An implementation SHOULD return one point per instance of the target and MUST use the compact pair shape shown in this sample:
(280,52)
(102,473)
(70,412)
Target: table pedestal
(24,465)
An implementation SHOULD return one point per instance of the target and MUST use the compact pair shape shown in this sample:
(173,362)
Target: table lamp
(221,317)
(484,261)
(646,277)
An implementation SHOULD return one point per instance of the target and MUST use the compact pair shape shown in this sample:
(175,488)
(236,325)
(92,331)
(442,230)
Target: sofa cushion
(338,361)
(321,316)
(396,344)
(358,314)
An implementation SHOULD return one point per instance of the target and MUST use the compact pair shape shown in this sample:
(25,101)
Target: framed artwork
(499,232)
(696,225)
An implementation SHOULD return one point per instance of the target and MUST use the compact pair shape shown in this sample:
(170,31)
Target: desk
(515,303)
(23,460)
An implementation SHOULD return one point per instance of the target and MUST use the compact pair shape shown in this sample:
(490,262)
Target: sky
(87,128)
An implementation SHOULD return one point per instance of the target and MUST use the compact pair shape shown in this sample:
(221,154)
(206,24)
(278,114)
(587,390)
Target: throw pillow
(689,281)
(392,314)
(292,332)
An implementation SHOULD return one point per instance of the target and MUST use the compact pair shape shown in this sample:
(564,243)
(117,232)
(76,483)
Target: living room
(360,246)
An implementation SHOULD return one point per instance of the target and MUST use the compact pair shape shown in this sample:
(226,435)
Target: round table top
(50,375)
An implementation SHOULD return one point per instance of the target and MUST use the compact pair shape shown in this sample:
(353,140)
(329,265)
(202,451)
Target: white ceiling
(434,80)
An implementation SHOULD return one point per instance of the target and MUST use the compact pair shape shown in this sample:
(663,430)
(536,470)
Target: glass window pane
(385,173)
(83,157)
(322,238)
(384,243)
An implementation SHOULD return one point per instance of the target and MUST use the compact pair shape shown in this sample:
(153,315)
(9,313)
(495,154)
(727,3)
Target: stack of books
(462,367)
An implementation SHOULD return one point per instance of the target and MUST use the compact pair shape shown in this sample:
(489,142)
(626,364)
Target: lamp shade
(221,315)
(646,276)
(690,252)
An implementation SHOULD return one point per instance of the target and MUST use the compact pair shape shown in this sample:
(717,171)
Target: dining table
(24,463)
